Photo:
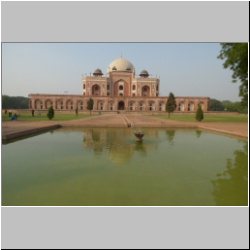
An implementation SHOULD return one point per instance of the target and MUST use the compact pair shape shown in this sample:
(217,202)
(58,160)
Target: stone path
(145,121)
(13,129)
(97,121)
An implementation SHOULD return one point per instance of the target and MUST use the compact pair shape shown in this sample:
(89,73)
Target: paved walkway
(13,129)
(97,121)
(146,121)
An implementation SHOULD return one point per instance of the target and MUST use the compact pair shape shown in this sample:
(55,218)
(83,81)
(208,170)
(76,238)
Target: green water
(106,167)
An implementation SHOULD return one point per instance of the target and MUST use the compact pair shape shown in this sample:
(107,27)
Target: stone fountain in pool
(139,136)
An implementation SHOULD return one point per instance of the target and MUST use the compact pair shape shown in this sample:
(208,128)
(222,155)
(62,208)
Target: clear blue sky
(185,69)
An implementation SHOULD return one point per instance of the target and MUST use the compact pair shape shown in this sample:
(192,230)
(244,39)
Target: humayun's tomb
(120,89)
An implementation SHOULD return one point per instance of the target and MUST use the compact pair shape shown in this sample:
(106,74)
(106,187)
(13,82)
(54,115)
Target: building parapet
(145,79)
(55,95)
(95,77)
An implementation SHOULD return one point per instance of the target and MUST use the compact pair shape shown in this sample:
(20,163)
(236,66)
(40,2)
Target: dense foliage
(236,55)
(215,105)
(50,113)
(225,103)
(171,104)
(25,104)
(236,107)
(199,114)
(228,106)
(15,102)
(90,105)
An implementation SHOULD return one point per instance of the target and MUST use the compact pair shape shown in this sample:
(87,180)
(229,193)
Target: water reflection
(96,135)
(170,136)
(152,132)
(119,144)
(119,152)
(92,139)
(198,133)
(120,155)
(231,187)
(140,148)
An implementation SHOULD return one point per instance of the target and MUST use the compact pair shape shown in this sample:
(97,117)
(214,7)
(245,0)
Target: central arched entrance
(145,91)
(121,105)
(96,90)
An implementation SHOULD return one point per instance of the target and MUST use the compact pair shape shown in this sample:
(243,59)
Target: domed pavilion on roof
(119,89)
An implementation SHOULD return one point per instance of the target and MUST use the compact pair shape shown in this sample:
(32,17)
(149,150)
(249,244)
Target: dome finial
(121,54)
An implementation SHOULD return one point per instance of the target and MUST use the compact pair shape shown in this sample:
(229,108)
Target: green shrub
(199,114)
(50,113)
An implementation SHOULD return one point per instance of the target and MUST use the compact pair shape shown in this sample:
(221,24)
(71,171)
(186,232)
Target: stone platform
(12,129)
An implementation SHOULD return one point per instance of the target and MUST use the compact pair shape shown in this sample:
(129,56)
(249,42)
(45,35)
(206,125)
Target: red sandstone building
(120,89)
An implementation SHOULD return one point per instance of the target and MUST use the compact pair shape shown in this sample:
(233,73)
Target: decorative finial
(151,75)
(156,76)
(121,54)
(159,77)
(89,73)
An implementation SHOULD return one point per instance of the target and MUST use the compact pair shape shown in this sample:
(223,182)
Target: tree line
(226,105)
(15,102)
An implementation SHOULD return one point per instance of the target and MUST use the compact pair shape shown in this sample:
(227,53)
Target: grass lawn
(207,118)
(43,117)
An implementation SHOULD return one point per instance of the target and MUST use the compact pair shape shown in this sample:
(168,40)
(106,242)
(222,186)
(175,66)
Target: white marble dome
(121,64)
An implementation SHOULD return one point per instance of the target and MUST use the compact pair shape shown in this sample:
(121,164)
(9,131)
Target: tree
(226,103)
(236,55)
(50,113)
(76,111)
(171,104)
(215,105)
(24,104)
(199,114)
(90,105)
(231,108)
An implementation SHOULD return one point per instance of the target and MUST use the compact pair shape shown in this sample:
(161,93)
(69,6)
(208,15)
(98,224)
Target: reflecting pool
(107,167)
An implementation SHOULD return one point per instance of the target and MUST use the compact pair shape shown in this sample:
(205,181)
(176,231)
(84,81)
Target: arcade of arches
(113,104)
